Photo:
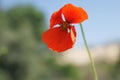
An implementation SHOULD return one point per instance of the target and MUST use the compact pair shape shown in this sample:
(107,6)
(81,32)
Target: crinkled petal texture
(56,18)
(63,37)
(58,39)
(74,14)
(71,13)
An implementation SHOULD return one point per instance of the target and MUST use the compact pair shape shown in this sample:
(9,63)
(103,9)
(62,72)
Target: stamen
(64,25)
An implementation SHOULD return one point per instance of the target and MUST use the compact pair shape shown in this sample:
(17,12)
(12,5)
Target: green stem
(89,54)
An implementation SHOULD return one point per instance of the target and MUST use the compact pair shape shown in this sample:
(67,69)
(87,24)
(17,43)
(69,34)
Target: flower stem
(89,54)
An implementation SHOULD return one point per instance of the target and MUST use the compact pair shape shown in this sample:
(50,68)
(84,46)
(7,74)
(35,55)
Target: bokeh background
(23,55)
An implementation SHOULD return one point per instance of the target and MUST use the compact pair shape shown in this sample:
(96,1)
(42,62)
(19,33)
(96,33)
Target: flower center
(65,25)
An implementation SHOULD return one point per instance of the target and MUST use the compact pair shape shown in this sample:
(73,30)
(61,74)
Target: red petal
(56,18)
(59,40)
(73,33)
(74,14)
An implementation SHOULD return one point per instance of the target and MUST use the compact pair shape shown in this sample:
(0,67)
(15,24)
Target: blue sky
(103,25)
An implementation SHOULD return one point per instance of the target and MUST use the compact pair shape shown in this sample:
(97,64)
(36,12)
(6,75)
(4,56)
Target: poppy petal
(58,39)
(74,14)
(56,18)
(73,33)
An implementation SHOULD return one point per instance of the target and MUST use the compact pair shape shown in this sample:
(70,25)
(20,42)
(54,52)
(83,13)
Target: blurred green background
(23,56)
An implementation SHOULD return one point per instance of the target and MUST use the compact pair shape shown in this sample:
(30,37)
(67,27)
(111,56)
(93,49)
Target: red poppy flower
(62,35)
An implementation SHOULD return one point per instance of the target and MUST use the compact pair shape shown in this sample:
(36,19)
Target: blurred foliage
(115,70)
(22,55)
(20,42)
